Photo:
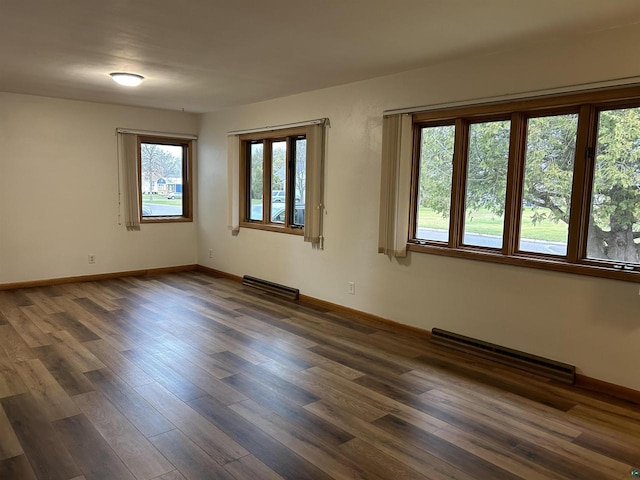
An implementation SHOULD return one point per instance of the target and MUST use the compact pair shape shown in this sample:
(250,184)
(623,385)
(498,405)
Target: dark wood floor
(189,376)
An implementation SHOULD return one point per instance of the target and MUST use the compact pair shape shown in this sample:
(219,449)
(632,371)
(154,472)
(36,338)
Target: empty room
(320,240)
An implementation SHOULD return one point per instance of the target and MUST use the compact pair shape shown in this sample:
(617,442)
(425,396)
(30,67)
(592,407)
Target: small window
(274,180)
(614,220)
(434,192)
(488,160)
(255,178)
(165,193)
(548,180)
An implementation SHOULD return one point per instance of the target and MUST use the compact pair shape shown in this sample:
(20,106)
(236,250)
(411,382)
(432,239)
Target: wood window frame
(587,105)
(187,182)
(267,138)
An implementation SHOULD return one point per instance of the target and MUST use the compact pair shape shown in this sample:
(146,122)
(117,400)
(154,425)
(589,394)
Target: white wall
(59,191)
(590,322)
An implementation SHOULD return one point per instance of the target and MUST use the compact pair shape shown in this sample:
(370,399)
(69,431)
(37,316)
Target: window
(165,179)
(486,179)
(434,193)
(548,179)
(273,180)
(614,211)
(550,183)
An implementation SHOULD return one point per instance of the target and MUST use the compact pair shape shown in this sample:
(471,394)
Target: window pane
(256,167)
(300,178)
(615,204)
(161,179)
(548,177)
(434,191)
(278,180)
(488,161)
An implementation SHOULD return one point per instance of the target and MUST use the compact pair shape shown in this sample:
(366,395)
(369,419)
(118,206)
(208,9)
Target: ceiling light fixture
(127,79)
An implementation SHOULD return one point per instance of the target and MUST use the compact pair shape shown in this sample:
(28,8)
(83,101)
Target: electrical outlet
(92,258)
(210,253)
(352,288)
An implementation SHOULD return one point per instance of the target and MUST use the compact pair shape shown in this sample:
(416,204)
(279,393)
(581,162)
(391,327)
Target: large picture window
(165,179)
(550,182)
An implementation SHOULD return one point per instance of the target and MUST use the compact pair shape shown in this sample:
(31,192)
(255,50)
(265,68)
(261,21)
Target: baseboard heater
(270,287)
(513,358)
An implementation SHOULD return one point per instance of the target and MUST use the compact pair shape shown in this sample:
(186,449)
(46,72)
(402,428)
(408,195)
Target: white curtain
(314,191)
(128,152)
(395,185)
(233,183)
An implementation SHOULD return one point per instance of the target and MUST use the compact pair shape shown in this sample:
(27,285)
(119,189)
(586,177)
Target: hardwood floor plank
(27,329)
(211,439)
(334,394)
(48,458)
(543,433)
(250,468)
(616,448)
(292,411)
(75,352)
(265,381)
(201,357)
(118,363)
(14,346)
(397,447)
(266,348)
(192,462)
(105,330)
(66,374)
(623,423)
(77,329)
(91,452)
(16,468)
(42,301)
(358,450)
(325,363)
(9,444)
(41,318)
(265,448)
(157,366)
(10,382)
(305,444)
(202,379)
(430,417)
(261,331)
(499,455)
(135,451)
(442,449)
(52,400)
(173,475)
(135,408)
(357,360)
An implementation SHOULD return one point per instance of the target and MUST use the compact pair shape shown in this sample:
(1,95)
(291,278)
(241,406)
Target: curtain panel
(314,191)
(395,185)
(233,183)
(128,153)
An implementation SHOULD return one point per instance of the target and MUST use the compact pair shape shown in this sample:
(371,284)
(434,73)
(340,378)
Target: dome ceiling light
(127,79)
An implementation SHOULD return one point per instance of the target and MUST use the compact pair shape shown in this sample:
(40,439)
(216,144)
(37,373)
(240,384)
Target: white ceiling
(203,55)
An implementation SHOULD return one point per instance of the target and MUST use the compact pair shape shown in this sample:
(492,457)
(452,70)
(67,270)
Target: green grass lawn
(485,222)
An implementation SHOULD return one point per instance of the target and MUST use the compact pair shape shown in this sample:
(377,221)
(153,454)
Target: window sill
(272,228)
(166,220)
(526,260)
